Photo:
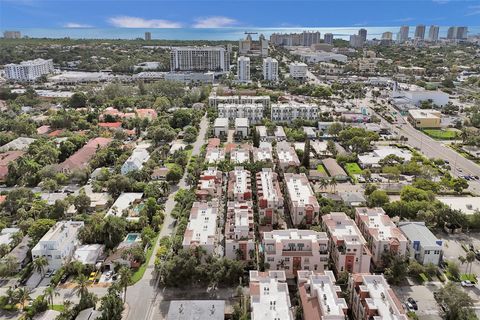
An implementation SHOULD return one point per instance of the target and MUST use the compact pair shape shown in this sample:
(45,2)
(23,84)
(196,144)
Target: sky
(235,13)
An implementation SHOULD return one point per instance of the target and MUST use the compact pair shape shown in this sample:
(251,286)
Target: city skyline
(219,14)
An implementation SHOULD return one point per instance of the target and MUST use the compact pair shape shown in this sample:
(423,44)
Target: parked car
(64,278)
(49,273)
(412,301)
(467,283)
(92,277)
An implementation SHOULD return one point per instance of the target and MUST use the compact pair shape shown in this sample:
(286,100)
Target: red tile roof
(147,113)
(80,158)
(5,159)
(56,133)
(112,125)
(43,129)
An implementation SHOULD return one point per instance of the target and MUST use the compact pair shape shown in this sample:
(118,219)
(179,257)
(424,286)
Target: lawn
(321,169)
(57,307)
(470,277)
(440,134)
(137,275)
(353,168)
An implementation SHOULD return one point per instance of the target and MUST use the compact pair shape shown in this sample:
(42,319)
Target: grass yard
(440,134)
(57,307)
(353,168)
(470,277)
(137,275)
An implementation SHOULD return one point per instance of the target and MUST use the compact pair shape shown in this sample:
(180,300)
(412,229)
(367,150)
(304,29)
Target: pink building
(302,202)
(239,231)
(239,185)
(270,197)
(209,185)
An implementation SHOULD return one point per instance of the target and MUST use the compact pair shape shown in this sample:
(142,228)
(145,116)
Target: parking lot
(453,248)
(428,308)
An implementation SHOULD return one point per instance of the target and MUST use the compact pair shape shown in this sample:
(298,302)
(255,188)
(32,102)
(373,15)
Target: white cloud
(76,25)
(214,22)
(441,1)
(136,22)
(473,11)
(403,20)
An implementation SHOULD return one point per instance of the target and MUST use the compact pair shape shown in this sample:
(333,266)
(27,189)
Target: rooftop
(202,225)
(196,310)
(343,228)
(380,226)
(468,205)
(299,190)
(221,122)
(123,202)
(419,231)
(424,113)
(270,190)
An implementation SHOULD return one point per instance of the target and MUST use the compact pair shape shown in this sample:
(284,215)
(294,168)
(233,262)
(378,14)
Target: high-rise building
(462,33)
(148,36)
(452,33)
(363,35)
(199,59)
(355,41)
(328,38)
(28,70)
(310,37)
(243,69)
(388,36)
(420,32)
(433,33)
(12,34)
(306,38)
(270,69)
(403,34)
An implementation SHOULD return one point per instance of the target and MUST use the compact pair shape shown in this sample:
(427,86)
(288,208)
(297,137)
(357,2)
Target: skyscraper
(243,69)
(403,34)
(362,33)
(433,33)
(148,36)
(328,38)
(387,36)
(270,69)
(355,41)
(462,33)
(199,59)
(420,32)
(452,33)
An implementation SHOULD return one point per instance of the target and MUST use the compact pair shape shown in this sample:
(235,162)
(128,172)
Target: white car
(467,283)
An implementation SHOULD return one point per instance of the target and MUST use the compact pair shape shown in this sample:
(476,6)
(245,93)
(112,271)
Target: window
(315,267)
(356,259)
(270,259)
(287,259)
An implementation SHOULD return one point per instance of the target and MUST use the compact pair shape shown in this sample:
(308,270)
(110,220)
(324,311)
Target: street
(144,297)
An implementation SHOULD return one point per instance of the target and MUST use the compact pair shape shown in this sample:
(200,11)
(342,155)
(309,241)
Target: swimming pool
(131,237)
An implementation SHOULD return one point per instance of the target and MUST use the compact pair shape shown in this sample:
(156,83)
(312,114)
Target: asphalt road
(144,297)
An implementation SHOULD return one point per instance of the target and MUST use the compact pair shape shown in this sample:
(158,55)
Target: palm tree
(470,258)
(39,265)
(23,296)
(462,260)
(164,187)
(82,286)
(464,135)
(333,184)
(50,292)
(323,184)
(125,280)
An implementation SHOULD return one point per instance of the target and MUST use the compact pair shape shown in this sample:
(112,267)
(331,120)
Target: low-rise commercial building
(320,296)
(382,235)
(287,112)
(423,246)
(294,250)
(58,244)
(423,118)
(302,202)
(348,248)
(270,197)
(239,185)
(269,296)
(240,231)
(209,185)
(372,159)
(371,297)
(201,230)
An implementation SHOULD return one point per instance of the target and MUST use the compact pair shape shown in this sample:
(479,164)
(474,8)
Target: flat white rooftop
(240,156)
(468,205)
(123,202)
(294,234)
(270,193)
(202,225)
(240,182)
(299,190)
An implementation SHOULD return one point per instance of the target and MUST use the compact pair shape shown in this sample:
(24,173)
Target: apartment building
(381,234)
(243,69)
(214,155)
(214,100)
(199,59)
(253,112)
(58,244)
(306,38)
(240,231)
(269,296)
(239,185)
(348,248)
(242,127)
(287,112)
(286,155)
(270,197)
(301,201)
(270,69)
(372,298)
(201,230)
(240,155)
(12,34)
(293,250)
(220,127)
(28,71)
(423,245)
(262,154)
(298,70)
(320,296)
(209,185)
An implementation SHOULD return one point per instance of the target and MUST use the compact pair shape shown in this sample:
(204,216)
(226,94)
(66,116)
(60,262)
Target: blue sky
(235,13)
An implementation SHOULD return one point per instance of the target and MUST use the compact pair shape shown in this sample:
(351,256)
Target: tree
(470,258)
(77,100)
(255,138)
(82,202)
(396,271)
(453,270)
(39,265)
(82,286)
(118,184)
(175,173)
(50,292)
(333,184)
(23,296)
(334,129)
(125,280)
(191,134)
(458,304)
(112,304)
(459,184)
(39,228)
(332,148)
(306,155)
(378,198)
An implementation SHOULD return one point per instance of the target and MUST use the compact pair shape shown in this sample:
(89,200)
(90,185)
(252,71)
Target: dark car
(471,247)
(413,303)
(64,278)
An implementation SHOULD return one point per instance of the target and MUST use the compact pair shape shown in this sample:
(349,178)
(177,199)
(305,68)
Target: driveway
(423,294)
